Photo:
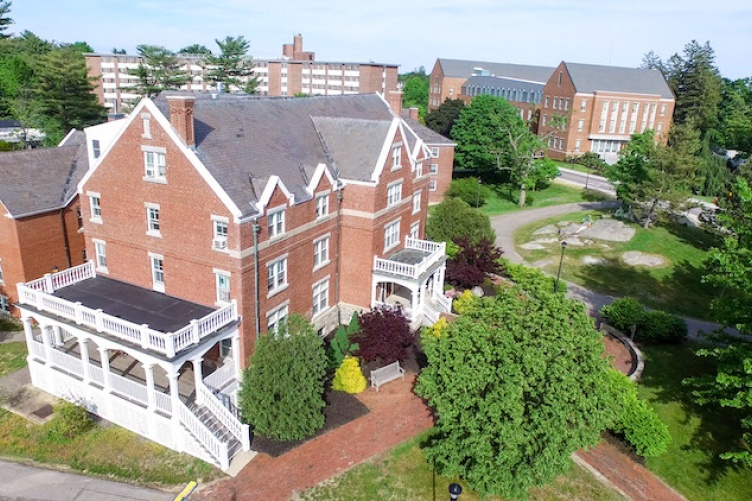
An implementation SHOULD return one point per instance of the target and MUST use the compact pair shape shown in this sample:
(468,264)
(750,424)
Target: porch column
(28,330)
(83,346)
(46,342)
(415,303)
(151,400)
(374,286)
(236,356)
(104,357)
(197,378)
(57,335)
(175,399)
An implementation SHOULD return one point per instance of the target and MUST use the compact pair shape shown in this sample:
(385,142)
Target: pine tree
(233,66)
(160,69)
(5,21)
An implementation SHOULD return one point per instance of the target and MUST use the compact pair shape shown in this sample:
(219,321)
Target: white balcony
(416,258)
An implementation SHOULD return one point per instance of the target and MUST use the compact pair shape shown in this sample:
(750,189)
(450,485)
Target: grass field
(698,433)
(12,357)
(675,287)
(403,474)
(505,198)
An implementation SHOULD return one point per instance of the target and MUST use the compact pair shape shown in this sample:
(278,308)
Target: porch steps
(217,428)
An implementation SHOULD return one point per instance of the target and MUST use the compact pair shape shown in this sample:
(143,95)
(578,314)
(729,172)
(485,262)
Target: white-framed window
(391,235)
(276,317)
(157,272)
(155,168)
(544,120)
(435,152)
(394,194)
(416,202)
(320,252)
(320,296)
(418,169)
(223,286)
(276,222)
(152,220)
(146,120)
(415,230)
(546,102)
(566,104)
(434,168)
(95,148)
(95,207)
(663,110)
(4,305)
(397,156)
(580,125)
(432,186)
(220,226)
(583,105)
(276,276)
(100,250)
(322,205)
(577,145)
(556,102)
(602,125)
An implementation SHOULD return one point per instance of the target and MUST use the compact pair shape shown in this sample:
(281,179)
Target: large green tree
(518,383)
(195,49)
(491,136)
(160,69)
(282,393)
(443,118)
(454,218)
(415,94)
(651,176)
(5,21)
(233,65)
(736,115)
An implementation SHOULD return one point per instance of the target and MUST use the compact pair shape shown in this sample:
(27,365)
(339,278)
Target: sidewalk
(396,415)
(21,482)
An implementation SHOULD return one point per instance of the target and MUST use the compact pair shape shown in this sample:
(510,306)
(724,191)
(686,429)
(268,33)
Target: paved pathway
(21,482)
(506,224)
(396,415)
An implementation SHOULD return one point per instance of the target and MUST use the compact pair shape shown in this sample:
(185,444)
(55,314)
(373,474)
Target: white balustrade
(163,402)
(425,245)
(72,275)
(96,374)
(430,315)
(36,349)
(435,251)
(223,414)
(67,362)
(128,388)
(211,443)
(223,375)
(443,301)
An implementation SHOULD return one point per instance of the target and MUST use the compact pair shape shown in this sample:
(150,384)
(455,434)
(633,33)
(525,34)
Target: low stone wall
(637,357)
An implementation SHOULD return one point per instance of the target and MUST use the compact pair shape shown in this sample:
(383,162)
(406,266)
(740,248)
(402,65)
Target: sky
(411,33)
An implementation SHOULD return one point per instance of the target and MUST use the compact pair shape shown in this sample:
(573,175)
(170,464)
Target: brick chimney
(413,114)
(394,98)
(181,117)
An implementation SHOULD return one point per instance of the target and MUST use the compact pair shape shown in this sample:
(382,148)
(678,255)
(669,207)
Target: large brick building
(604,106)
(40,231)
(520,84)
(296,72)
(209,220)
(440,161)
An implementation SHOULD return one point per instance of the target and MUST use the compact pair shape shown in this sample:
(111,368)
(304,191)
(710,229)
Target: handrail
(223,414)
(211,443)
(217,379)
(435,251)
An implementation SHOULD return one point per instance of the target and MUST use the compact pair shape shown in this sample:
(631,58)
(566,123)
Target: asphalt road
(597,183)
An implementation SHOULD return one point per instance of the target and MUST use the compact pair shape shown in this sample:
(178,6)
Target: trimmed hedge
(635,420)
(530,279)
(653,326)
(469,190)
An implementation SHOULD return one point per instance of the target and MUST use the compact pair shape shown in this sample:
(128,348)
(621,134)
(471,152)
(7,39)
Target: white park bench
(385,374)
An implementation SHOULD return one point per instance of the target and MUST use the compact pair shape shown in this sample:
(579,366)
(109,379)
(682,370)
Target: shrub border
(638,359)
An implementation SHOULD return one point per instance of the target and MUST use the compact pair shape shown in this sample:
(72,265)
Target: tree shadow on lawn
(719,429)
(696,237)
(682,292)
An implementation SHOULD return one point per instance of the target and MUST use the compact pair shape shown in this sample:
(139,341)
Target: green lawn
(577,167)
(12,357)
(403,474)
(505,198)
(699,434)
(9,324)
(674,287)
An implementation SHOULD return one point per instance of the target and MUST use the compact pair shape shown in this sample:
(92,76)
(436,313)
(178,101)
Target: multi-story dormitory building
(604,105)
(40,215)
(296,72)
(207,221)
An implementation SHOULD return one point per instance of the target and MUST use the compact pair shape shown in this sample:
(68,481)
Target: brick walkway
(396,415)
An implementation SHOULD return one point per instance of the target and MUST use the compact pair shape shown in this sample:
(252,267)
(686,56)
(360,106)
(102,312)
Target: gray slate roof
(244,140)
(590,78)
(44,179)
(428,136)
(461,68)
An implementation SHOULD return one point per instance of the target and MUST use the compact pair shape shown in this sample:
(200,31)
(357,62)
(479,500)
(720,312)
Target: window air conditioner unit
(220,243)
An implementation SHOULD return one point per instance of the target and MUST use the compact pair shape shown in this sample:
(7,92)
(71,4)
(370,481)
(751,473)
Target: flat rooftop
(135,304)
(409,256)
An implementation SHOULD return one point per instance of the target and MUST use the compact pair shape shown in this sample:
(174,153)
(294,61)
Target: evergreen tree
(195,49)
(5,21)
(443,118)
(233,66)
(160,69)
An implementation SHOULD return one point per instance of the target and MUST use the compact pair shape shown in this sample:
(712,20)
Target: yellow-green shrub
(349,378)
(464,302)
(438,329)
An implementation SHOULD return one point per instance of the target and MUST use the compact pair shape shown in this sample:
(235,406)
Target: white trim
(398,222)
(217,274)
(320,172)
(284,285)
(96,242)
(159,287)
(149,105)
(149,231)
(385,150)
(325,238)
(266,195)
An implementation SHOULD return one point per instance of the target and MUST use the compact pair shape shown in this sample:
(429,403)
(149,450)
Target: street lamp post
(454,491)
(561,260)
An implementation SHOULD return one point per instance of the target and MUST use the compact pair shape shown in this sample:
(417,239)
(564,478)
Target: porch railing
(168,343)
(219,378)
(434,251)
(239,430)
(211,443)
(444,302)
(430,314)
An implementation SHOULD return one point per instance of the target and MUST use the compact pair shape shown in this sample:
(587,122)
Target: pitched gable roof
(464,69)
(244,139)
(41,180)
(589,78)
(428,136)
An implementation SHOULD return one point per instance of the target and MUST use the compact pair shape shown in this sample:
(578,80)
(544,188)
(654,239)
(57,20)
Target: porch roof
(409,256)
(135,304)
